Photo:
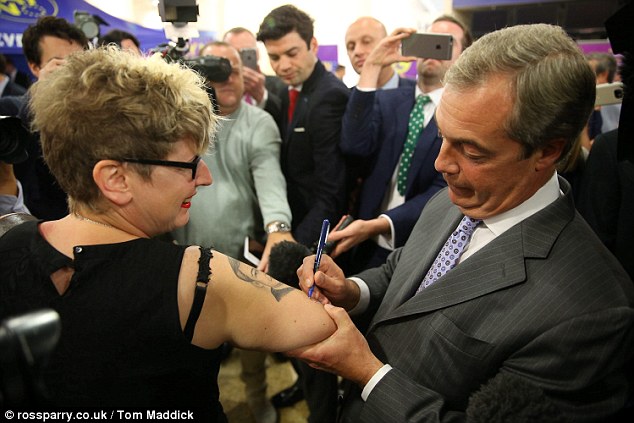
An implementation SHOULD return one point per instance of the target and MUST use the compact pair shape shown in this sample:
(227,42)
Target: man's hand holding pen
(329,282)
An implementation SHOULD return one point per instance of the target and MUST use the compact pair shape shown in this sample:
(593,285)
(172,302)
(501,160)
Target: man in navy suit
(375,128)
(312,163)
(529,290)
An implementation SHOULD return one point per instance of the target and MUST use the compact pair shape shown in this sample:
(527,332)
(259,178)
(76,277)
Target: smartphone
(331,244)
(428,46)
(610,93)
(249,58)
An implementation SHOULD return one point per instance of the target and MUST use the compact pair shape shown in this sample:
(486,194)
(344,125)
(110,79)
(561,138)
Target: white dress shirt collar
(547,194)
(391,83)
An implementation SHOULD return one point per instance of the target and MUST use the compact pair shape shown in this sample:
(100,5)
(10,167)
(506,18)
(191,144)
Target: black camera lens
(13,139)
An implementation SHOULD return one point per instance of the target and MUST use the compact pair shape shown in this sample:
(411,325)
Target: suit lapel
(500,264)
(423,147)
(302,103)
(400,106)
(416,258)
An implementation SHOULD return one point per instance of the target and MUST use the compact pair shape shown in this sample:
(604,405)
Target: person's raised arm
(386,53)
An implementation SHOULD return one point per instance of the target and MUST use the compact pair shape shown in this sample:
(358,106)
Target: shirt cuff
(366,89)
(367,390)
(364,297)
(386,241)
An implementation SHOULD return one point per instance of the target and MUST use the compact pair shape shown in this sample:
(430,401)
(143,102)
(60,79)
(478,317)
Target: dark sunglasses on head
(193,165)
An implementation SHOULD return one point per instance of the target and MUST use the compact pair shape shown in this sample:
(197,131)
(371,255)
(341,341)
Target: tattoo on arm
(278,289)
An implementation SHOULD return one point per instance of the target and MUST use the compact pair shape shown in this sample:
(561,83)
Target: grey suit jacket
(544,301)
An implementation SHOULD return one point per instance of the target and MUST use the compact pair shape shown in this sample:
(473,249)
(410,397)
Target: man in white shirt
(534,293)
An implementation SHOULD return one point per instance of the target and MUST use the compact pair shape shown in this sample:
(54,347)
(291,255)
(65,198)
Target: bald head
(361,37)
(240,38)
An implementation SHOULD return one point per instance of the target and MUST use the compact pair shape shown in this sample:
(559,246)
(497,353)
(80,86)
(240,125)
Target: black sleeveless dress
(121,343)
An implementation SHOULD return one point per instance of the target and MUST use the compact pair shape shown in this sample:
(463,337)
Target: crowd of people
(468,259)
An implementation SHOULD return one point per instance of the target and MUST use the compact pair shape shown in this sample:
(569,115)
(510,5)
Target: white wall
(332,17)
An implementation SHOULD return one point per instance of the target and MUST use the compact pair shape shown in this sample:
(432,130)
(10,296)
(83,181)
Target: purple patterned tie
(450,253)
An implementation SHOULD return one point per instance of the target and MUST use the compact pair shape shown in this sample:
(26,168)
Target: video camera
(178,15)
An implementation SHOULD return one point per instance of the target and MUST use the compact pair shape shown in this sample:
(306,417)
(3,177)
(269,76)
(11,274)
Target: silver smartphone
(249,58)
(610,93)
(428,46)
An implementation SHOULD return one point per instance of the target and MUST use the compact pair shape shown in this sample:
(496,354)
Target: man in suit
(314,168)
(361,37)
(7,86)
(376,129)
(533,292)
(311,160)
(263,91)
(16,75)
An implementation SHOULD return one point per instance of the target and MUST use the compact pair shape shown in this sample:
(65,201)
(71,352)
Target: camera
(177,15)
(215,69)
(13,138)
(26,342)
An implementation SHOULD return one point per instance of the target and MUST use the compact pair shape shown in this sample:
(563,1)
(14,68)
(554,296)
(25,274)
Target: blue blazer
(374,130)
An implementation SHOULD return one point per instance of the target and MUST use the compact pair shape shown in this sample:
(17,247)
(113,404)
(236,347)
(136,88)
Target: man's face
(484,169)
(361,38)
(53,48)
(291,59)
(433,68)
(228,93)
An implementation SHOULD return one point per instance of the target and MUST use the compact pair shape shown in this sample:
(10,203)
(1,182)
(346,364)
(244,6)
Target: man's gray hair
(553,85)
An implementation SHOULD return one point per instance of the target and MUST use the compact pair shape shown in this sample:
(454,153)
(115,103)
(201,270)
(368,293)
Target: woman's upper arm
(250,309)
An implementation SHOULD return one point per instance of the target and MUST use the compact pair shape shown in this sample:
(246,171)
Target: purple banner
(597,46)
(328,54)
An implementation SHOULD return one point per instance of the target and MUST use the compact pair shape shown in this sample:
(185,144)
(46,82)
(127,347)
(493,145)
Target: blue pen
(325,228)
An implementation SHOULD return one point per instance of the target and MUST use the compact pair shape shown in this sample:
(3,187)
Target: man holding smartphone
(361,37)
(260,90)
(399,151)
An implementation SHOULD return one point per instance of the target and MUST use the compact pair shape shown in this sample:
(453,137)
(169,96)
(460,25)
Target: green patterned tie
(416,123)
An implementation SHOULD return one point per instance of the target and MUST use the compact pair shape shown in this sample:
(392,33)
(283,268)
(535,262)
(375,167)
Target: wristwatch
(277,226)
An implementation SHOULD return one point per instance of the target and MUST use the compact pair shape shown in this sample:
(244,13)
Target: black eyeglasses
(193,165)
